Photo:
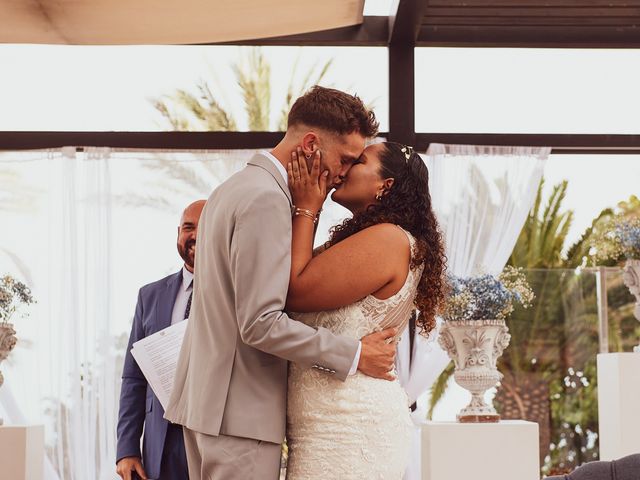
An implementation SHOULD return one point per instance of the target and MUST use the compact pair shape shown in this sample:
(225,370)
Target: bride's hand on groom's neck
(378,354)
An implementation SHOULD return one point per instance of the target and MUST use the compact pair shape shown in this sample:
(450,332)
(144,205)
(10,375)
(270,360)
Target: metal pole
(603,313)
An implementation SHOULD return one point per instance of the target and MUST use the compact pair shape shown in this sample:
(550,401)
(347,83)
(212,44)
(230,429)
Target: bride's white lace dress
(360,428)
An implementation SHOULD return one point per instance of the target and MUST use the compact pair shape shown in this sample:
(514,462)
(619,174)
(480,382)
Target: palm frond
(439,388)
(180,176)
(217,118)
(293,93)
(177,123)
(22,267)
(254,77)
(543,235)
(550,218)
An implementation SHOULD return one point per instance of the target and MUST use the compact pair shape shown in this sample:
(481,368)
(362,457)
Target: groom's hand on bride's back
(378,354)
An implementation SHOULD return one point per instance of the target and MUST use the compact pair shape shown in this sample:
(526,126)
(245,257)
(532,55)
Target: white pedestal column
(619,404)
(22,452)
(480,451)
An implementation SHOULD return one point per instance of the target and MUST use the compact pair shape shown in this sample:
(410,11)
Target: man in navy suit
(160,304)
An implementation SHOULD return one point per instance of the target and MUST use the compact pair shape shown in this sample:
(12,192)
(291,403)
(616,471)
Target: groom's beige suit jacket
(231,376)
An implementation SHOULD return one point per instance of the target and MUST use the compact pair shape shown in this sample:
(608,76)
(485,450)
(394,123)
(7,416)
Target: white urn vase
(631,277)
(475,346)
(7,342)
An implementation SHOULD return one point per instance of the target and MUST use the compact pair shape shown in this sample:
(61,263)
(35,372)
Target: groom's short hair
(333,111)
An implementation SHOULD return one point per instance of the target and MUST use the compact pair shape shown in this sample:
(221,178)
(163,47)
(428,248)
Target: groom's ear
(309,143)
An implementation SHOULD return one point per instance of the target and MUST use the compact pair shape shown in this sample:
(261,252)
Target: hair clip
(407,150)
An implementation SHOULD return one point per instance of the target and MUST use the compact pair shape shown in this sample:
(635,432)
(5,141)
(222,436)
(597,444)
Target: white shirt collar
(187,278)
(278,165)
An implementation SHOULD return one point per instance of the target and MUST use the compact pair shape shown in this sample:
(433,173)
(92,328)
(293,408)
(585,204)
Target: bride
(376,268)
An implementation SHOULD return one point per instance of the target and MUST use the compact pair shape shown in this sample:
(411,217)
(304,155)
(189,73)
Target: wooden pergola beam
(405,21)
(372,32)
(404,26)
(489,36)
(561,144)
(141,140)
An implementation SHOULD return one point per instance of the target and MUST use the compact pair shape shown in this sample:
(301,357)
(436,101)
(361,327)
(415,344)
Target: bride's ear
(388,183)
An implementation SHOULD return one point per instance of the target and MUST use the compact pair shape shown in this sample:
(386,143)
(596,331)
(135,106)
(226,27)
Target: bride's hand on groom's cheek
(308,187)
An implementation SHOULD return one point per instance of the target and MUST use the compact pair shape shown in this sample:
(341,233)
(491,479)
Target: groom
(230,388)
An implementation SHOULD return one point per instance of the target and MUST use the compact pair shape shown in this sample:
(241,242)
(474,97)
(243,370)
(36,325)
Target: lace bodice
(359,428)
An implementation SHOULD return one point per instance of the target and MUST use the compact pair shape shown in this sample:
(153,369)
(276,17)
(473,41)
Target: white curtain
(86,228)
(481,196)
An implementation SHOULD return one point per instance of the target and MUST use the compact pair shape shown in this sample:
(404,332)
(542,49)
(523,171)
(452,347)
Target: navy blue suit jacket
(138,404)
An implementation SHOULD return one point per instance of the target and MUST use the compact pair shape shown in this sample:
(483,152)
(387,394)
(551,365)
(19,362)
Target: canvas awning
(123,22)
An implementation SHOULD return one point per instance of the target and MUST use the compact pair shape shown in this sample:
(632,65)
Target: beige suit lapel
(259,160)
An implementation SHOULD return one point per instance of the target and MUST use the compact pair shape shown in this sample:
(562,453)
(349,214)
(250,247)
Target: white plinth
(507,450)
(619,404)
(22,452)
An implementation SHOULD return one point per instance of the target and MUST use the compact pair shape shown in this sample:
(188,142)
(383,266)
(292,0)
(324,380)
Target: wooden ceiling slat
(531,12)
(529,36)
(585,22)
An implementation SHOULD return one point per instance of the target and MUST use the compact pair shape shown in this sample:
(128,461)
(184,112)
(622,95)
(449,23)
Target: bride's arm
(350,270)
(346,272)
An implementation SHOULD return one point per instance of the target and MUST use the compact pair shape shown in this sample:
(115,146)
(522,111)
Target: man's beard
(187,254)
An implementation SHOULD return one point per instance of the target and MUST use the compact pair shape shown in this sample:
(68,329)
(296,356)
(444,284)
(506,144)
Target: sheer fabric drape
(481,196)
(86,228)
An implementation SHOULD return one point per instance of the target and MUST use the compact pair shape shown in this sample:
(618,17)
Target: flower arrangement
(13,294)
(621,241)
(487,297)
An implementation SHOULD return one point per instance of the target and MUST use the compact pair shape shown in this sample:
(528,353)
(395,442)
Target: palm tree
(545,339)
(204,112)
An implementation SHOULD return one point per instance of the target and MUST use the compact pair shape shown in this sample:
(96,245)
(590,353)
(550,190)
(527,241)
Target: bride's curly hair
(408,204)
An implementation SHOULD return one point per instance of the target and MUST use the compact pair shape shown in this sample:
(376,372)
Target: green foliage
(557,339)
(581,253)
(543,236)
(574,417)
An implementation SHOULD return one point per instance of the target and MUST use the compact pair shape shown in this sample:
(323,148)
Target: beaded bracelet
(307,213)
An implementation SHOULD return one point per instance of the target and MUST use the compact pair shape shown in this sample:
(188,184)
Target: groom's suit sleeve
(260,267)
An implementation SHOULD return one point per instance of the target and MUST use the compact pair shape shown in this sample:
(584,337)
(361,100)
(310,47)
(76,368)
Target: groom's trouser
(230,458)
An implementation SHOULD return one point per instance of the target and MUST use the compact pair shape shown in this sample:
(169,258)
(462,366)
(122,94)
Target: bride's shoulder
(387,230)
(387,235)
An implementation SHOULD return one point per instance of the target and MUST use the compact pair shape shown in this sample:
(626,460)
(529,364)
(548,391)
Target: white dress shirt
(283,172)
(279,166)
(180,305)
